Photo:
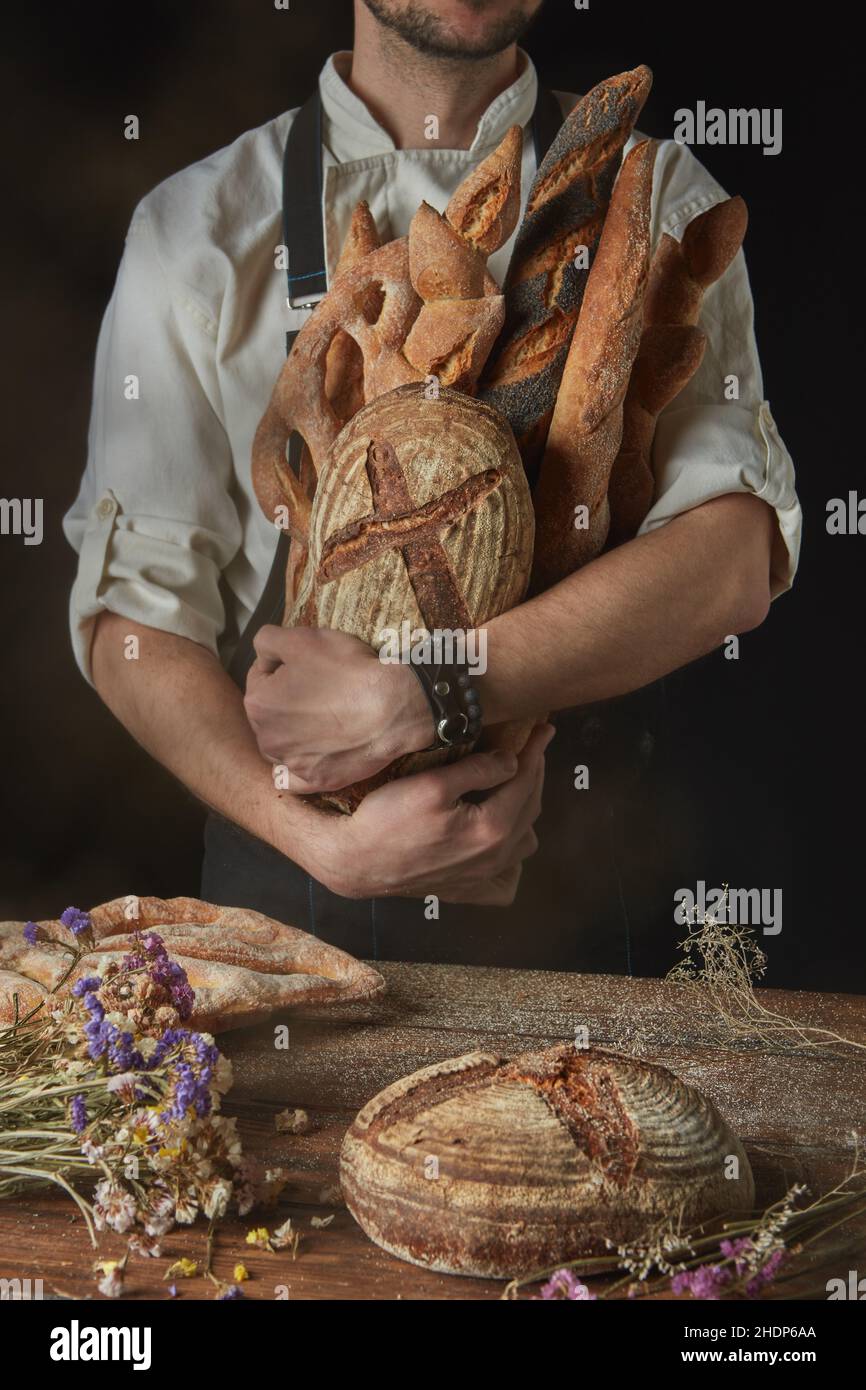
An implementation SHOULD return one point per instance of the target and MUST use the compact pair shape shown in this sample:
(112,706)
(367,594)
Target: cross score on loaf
(424,395)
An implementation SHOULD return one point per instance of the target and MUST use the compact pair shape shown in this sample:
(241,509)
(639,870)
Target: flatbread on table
(242,965)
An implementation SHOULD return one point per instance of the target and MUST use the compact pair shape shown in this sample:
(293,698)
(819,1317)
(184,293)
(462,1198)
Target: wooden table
(795,1114)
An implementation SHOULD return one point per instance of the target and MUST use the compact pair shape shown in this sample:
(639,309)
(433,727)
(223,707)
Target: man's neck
(403,88)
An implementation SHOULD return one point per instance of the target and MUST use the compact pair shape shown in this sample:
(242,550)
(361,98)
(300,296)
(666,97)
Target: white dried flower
(111,1283)
(144,1245)
(159,1215)
(292,1122)
(216,1198)
(124,1082)
(222,1075)
(284,1235)
(186,1210)
(114,1207)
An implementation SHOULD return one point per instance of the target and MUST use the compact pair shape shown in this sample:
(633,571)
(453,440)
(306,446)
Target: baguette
(586,429)
(671,350)
(544,288)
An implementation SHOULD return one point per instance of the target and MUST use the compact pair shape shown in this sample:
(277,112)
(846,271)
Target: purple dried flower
(707,1281)
(732,1249)
(78,1114)
(77,921)
(231,1291)
(151,954)
(565,1284)
(30,933)
(94,1007)
(766,1274)
(86,986)
(122,1054)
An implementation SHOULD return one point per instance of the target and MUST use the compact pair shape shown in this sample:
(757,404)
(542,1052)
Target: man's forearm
(411,838)
(180,705)
(634,614)
(631,616)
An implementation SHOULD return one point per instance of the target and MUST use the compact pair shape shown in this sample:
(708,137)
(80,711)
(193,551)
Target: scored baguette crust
(586,429)
(683,270)
(544,288)
(669,356)
(483,1166)
(241,964)
(671,349)
(486,206)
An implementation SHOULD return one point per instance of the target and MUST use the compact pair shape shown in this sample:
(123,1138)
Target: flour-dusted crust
(242,965)
(486,206)
(544,288)
(671,349)
(586,429)
(483,1166)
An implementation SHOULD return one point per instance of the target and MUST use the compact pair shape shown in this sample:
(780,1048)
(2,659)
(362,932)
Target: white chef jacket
(168,529)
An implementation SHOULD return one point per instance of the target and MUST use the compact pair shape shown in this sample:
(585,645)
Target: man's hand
(416,836)
(321,703)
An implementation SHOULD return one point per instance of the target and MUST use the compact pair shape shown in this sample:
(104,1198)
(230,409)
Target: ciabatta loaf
(242,965)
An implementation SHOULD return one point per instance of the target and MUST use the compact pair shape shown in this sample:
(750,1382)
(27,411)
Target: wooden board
(795,1112)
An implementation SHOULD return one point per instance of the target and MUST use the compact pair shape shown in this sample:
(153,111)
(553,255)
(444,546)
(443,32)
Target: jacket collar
(352,132)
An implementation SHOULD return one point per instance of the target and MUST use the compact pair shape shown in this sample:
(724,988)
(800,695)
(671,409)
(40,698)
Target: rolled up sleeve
(707,445)
(154,522)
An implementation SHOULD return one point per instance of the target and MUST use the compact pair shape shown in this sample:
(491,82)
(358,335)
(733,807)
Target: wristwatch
(453,700)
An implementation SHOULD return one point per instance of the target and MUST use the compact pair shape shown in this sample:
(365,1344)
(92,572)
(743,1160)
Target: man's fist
(321,703)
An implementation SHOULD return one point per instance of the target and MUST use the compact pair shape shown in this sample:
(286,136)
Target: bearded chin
(427,34)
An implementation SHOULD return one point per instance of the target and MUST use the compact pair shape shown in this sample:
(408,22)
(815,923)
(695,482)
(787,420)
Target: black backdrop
(765,763)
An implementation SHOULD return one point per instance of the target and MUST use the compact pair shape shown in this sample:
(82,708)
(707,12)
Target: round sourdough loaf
(460,497)
(422,520)
(496,1168)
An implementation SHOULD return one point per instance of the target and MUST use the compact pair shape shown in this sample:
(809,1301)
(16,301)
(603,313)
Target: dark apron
(574,906)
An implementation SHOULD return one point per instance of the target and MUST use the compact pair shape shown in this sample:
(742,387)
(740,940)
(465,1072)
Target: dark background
(763,765)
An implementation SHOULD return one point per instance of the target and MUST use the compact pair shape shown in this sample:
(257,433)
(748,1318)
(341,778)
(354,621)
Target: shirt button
(105,508)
